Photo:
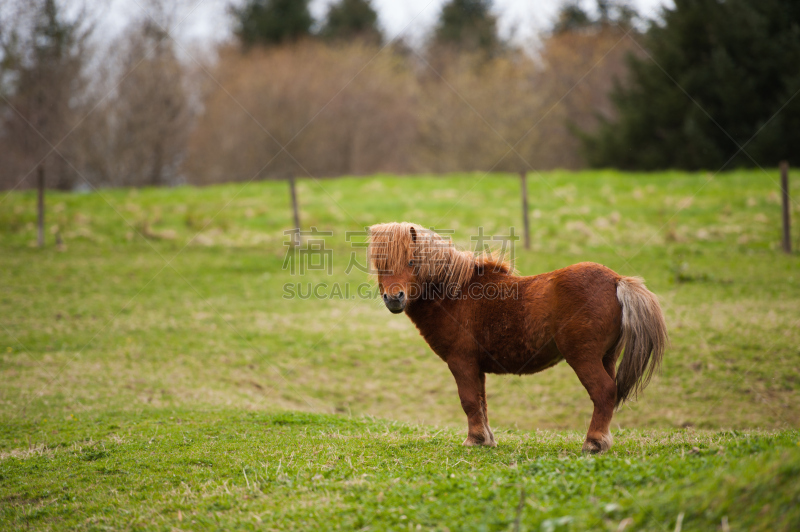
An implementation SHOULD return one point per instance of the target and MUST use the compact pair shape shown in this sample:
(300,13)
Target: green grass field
(154,376)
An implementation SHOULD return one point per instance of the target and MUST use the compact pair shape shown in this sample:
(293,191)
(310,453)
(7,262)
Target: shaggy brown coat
(480,317)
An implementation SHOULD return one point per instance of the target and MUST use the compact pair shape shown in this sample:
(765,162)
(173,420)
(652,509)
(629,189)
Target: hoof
(594,446)
(474,442)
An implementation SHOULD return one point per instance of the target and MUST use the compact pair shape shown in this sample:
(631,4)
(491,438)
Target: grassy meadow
(155,376)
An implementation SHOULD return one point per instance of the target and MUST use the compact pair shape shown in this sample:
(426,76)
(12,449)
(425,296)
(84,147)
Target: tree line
(708,84)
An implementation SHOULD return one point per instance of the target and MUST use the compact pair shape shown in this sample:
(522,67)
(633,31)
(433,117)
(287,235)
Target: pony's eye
(411,263)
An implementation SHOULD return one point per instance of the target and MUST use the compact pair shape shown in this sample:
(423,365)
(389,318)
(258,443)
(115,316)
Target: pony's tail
(643,337)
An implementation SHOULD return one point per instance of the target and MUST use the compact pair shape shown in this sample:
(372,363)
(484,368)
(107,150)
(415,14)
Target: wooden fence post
(524,177)
(787,233)
(296,237)
(40,206)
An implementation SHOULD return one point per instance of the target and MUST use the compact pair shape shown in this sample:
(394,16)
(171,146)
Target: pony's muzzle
(395,303)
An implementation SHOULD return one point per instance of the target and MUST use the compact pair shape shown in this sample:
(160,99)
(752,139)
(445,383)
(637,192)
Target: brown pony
(480,317)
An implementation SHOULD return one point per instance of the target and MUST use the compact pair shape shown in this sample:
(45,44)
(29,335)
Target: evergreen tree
(571,17)
(272,21)
(716,74)
(468,25)
(352,19)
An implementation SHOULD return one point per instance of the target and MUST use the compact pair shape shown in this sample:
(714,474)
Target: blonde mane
(393,245)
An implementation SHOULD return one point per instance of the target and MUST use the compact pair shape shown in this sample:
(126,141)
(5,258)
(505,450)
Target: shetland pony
(480,317)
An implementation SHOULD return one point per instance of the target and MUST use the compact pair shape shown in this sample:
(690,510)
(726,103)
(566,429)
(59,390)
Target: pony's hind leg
(471,384)
(602,390)
(610,362)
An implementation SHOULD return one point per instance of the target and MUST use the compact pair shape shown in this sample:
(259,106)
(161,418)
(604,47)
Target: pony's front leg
(471,382)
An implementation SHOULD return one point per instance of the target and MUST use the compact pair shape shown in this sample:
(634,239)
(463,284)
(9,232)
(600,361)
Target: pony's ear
(413,235)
